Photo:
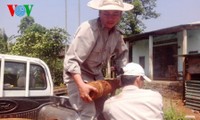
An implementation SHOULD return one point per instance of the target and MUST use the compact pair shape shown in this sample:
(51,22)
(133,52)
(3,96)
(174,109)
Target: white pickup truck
(26,91)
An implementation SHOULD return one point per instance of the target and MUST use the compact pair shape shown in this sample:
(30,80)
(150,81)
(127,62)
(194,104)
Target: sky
(52,13)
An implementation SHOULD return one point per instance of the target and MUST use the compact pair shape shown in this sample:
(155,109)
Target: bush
(171,113)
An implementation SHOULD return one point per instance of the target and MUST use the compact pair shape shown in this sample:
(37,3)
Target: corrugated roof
(188,55)
(170,30)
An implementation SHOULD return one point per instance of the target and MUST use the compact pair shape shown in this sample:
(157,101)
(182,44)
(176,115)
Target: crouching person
(134,103)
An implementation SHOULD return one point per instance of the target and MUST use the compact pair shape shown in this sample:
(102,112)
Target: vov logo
(20,10)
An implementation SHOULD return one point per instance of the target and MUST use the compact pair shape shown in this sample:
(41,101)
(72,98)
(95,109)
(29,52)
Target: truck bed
(37,108)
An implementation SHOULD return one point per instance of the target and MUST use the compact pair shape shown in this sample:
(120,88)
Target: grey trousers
(87,111)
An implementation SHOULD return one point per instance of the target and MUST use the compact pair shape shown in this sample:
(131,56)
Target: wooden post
(151,57)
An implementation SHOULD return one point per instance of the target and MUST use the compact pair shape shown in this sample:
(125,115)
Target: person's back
(135,104)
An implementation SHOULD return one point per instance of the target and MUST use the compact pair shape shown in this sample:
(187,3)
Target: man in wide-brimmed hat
(94,43)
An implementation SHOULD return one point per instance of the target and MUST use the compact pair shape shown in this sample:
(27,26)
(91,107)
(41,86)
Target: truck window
(14,75)
(37,77)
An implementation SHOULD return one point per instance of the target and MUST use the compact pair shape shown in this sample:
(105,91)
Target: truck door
(24,78)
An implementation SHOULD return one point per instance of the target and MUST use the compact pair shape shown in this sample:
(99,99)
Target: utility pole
(79,12)
(66,21)
(66,15)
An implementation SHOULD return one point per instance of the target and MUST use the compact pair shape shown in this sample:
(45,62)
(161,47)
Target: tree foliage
(27,43)
(3,42)
(46,44)
(25,23)
(132,20)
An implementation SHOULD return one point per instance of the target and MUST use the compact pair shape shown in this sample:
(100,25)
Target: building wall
(194,40)
(193,44)
(141,48)
(180,49)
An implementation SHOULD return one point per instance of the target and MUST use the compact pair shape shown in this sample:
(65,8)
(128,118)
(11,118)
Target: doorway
(163,57)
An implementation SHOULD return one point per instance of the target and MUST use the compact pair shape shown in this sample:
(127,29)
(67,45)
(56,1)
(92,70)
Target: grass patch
(170,113)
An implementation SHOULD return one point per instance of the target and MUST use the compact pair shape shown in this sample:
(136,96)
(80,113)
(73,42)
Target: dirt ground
(172,92)
(179,106)
(14,119)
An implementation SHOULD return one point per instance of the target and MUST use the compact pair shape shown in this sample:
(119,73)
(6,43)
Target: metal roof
(170,30)
(188,55)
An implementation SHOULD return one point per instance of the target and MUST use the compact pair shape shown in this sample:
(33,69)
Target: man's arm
(79,50)
(84,89)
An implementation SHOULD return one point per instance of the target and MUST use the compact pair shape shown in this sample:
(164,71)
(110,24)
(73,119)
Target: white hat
(110,5)
(136,70)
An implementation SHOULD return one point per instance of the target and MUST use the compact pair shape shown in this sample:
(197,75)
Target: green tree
(25,23)
(54,41)
(3,42)
(132,20)
(46,44)
(27,43)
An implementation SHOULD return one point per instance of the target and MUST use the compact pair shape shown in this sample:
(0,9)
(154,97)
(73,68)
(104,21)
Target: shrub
(170,113)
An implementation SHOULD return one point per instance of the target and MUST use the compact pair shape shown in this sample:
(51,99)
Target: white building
(157,50)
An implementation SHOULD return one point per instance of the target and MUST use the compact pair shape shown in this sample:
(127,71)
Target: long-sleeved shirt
(134,104)
(91,48)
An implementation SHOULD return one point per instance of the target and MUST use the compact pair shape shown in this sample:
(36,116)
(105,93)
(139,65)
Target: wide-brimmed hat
(110,5)
(135,70)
